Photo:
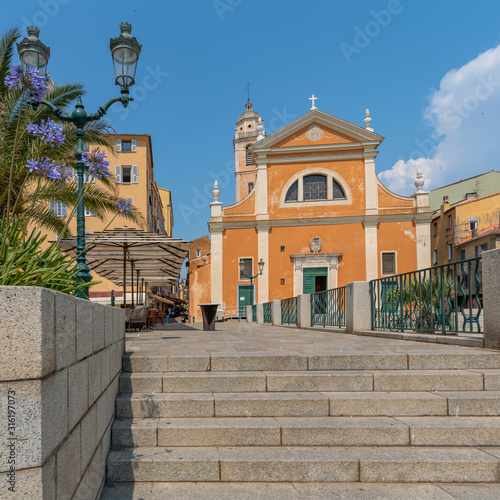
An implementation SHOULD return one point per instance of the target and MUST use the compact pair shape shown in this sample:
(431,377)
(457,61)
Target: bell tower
(245,134)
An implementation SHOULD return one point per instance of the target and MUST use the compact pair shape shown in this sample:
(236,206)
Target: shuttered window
(58,208)
(118,174)
(388,263)
(118,145)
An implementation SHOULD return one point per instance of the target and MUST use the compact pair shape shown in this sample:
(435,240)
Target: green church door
(245,298)
(314,279)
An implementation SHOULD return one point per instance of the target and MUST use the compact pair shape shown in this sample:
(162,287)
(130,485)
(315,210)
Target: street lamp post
(251,278)
(125,52)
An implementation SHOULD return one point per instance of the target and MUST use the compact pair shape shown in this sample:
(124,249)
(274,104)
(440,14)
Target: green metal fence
(268,312)
(328,307)
(254,314)
(289,311)
(441,299)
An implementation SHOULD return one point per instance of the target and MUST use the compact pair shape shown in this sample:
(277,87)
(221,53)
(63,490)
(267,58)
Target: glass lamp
(242,266)
(261,266)
(125,52)
(33,52)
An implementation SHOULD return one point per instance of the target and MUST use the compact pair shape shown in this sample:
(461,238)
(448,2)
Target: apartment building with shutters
(132,172)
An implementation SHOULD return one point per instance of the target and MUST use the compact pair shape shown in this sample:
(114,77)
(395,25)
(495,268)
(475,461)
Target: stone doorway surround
(301,261)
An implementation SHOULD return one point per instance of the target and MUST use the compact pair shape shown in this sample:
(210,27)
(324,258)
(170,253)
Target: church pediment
(317,128)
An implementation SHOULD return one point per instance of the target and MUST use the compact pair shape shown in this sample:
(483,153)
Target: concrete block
(219,491)
(95,382)
(479,403)
(99,325)
(102,416)
(213,382)
(88,439)
(26,399)
(386,403)
(164,405)
(39,483)
(65,330)
(357,307)
(84,329)
(491,292)
(106,359)
(427,380)
(118,323)
(141,362)
(453,361)
(260,313)
(128,433)
(249,314)
(112,392)
(491,380)
(298,464)
(343,431)
(199,362)
(319,381)
(108,325)
(27,323)
(364,491)
(54,410)
(270,405)
(422,464)
(141,382)
(164,464)
(218,432)
(368,361)
(452,431)
(276,312)
(78,392)
(303,311)
(258,361)
(68,466)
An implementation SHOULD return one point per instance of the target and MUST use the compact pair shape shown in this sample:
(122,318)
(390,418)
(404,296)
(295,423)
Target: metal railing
(328,307)
(268,312)
(254,314)
(440,299)
(289,311)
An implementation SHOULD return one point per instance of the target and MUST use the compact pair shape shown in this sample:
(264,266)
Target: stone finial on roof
(216,192)
(260,129)
(419,183)
(368,121)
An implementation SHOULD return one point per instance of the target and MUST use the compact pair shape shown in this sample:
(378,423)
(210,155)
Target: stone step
(296,404)
(305,464)
(286,431)
(314,381)
(308,431)
(278,361)
(299,491)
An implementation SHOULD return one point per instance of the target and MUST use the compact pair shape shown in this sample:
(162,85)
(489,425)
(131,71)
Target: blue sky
(429,72)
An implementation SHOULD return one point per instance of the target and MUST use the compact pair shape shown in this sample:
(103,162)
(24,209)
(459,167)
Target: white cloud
(464,118)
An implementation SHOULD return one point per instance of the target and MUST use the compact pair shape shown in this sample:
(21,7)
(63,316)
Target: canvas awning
(113,254)
(161,299)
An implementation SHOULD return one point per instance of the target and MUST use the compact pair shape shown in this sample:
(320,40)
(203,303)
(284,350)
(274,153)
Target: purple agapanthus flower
(50,168)
(30,80)
(97,164)
(49,132)
(122,208)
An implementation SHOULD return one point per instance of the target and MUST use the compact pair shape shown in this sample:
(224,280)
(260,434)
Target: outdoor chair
(137,318)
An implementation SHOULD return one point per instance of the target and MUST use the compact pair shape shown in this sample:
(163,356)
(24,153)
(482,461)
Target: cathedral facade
(311,209)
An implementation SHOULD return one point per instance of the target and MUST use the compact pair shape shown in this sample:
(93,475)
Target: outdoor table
(209,312)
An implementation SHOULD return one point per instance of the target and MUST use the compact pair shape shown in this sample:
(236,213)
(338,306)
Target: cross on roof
(313,99)
(248,89)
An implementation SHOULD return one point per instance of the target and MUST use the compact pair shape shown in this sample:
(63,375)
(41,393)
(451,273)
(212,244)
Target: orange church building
(311,207)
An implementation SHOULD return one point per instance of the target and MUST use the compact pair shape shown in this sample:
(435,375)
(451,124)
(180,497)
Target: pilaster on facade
(371,182)
(261,189)
(216,268)
(371,248)
(263,253)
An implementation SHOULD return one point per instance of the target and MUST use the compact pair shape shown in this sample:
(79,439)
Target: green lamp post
(251,278)
(125,52)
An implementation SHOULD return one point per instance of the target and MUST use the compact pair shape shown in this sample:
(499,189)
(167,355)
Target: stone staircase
(307,426)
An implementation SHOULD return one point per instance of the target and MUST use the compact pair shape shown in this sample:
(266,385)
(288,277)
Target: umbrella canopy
(155,258)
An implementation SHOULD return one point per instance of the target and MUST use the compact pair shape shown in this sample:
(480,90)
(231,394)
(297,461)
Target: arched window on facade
(250,160)
(292,193)
(314,187)
(338,192)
